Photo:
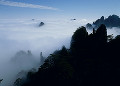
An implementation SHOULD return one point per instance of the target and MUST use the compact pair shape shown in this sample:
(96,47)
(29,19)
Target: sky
(82,9)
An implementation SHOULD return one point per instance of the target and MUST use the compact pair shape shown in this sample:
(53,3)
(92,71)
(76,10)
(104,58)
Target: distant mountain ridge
(111,21)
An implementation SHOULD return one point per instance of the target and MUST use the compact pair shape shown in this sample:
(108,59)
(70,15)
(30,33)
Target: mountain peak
(110,21)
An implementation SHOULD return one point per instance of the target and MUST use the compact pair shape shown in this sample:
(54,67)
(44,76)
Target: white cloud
(20,34)
(20,4)
(25,35)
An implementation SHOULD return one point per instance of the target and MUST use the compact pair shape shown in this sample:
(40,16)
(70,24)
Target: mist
(17,36)
(113,31)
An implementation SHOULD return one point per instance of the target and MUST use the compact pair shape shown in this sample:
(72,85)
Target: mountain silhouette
(91,60)
(111,21)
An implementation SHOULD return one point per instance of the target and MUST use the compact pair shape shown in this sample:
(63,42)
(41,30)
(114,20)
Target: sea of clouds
(25,34)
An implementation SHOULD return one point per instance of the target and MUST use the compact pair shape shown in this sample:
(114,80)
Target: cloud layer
(23,34)
(20,4)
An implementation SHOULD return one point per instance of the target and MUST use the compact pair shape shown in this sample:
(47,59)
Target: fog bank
(25,34)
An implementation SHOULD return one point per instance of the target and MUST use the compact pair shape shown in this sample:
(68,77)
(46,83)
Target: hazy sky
(84,9)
